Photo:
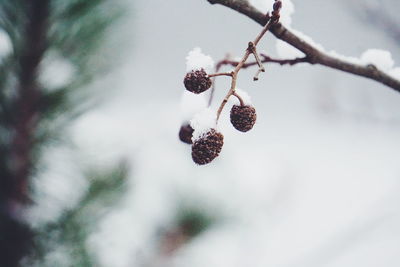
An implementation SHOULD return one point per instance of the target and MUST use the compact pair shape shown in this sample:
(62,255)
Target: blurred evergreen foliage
(189,221)
(34,113)
(72,229)
(193,221)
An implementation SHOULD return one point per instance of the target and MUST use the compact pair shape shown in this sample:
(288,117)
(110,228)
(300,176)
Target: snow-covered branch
(314,55)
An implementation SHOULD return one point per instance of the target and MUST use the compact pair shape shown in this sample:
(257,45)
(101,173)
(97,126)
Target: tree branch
(314,55)
(250,50)
(28,95)
(16,162)
(264,59)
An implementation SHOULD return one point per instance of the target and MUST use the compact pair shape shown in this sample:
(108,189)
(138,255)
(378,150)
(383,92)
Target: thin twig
(265,59)
(220,74)
(291,62)
(255,78)
(258,61)
(240,99)
(239,66)
(217,68)
(314,55)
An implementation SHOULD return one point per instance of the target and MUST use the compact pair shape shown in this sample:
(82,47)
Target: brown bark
(16,164)
(314,55)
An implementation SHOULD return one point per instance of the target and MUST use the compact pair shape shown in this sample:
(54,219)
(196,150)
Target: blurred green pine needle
(72,229)
(194,221)
(34,113)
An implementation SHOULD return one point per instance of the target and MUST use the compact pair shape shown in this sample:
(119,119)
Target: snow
(5,44)
(192,104)
(305,188)
(337,55)
(285,50)
(273,184)
(286,12)
(196,60)
(380,58)
(243,94)
(56,71)
(308,39)
(395,73)
(203,122)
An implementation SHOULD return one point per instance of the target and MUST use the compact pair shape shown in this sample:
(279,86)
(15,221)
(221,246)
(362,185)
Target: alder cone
(243,118)
(206,148)
(197,81)
(186,133)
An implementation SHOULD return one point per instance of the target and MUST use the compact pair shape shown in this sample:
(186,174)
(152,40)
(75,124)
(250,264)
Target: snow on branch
(315,54)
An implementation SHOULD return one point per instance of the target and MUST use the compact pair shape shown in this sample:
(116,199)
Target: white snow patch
(196,60)
(353,60)
(395,73)
(5,44)
(380,58)
(285,50)
(56,71)
(308,39)
(286,12)
(203,122)
(192,104)
(244,95)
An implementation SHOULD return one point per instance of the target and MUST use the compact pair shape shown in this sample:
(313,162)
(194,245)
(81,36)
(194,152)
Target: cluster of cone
(208,146)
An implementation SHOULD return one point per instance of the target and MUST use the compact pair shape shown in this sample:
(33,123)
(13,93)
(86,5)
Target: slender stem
(291,62)
(264,30)
(258,61)
(217,68)
(266,59)
(233,83)
(240,65)
(255,78)
(221,74)
(240,99)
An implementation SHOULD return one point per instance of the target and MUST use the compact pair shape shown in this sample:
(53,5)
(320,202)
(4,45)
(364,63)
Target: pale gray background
(315,183)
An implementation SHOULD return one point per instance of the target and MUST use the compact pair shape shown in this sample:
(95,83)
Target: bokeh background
(315,183)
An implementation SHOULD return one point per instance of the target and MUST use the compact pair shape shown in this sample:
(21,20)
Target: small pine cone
(197,81)
(186,133)
(243,118)
(207,147)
